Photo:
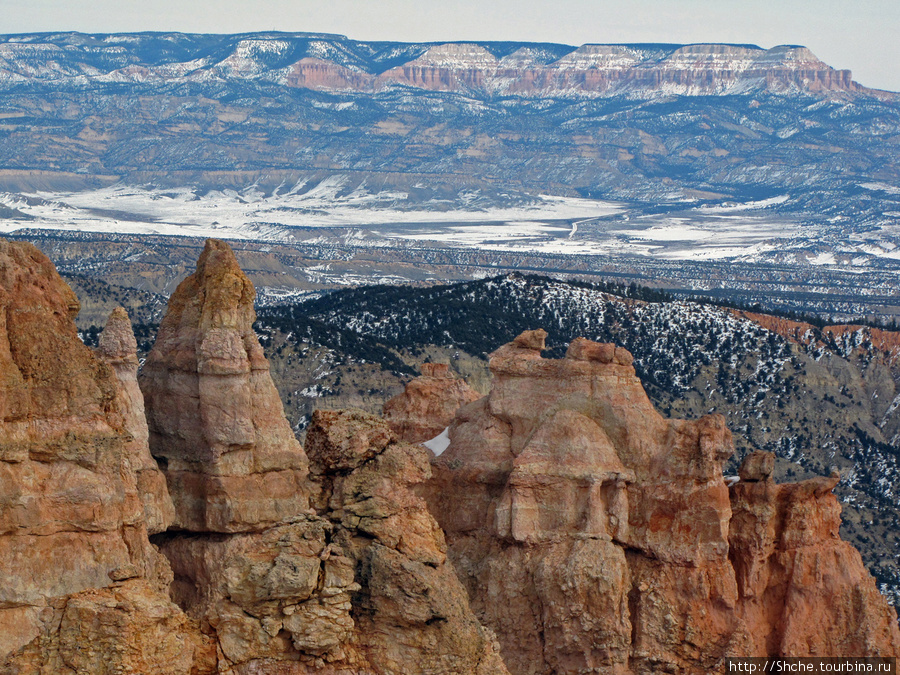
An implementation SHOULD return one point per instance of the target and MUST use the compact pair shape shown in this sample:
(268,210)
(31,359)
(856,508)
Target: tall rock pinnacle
(118,348)
(215,418)
(358,586)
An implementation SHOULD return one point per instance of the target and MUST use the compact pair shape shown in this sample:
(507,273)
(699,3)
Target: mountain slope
(708,153)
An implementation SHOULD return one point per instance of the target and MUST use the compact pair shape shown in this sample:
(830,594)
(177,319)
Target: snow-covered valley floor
(329,211)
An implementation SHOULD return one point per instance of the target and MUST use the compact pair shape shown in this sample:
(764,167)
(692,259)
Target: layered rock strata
(118,348)
(215,419)
(428,404)
(78,569)
(357,584)
(331,62)
(267,584)
(802,590)
(594,535)
(591,534)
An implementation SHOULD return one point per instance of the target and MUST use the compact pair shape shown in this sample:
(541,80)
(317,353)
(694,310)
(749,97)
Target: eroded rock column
(594,535)
(215,419)
(341,572)
(83,590)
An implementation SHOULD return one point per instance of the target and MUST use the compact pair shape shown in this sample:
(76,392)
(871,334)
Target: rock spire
(216,421)
(73,474)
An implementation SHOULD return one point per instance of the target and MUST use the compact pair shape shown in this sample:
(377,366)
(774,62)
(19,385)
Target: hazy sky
(860,35)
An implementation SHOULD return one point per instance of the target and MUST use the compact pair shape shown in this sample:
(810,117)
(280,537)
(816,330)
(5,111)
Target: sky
(858,35)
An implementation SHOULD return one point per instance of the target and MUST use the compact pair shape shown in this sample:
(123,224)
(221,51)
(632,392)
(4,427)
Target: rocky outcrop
(590,70)
(118,348)
(363,587)
(216,422)
(588,533)
(265,583)
(595,535)
(255,567)
(334,62)
(428,404)
(411,612)
(357,584)
(803,591)
(127,627)
(73,529)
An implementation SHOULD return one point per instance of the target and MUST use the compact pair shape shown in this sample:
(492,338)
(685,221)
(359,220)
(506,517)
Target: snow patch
(439,443)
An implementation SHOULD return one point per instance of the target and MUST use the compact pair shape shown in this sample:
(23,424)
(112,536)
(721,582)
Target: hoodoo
(585,532)
(274,571)
(339,571)
(78,490)
(594,535)
(216,422)
(428,404)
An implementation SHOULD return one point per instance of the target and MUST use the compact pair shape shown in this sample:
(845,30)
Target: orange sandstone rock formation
(267,584)
(357,585)
(363,588)
(411,612)
(803,591)
(230,458)
(73,529)
(591,534)
(118,348)
(428,404)
(594,535)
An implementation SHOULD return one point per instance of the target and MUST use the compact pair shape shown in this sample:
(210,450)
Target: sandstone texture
(585,533)
(76,485)
(412,614)
(803,591)
(128,627)
(253,580)
(342,571)
(118,348)
(215,419)
(361,586)
(594,535)
(428,404)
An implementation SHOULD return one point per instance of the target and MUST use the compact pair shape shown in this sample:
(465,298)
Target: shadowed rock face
(230,458)
(118,348)
(595,535)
